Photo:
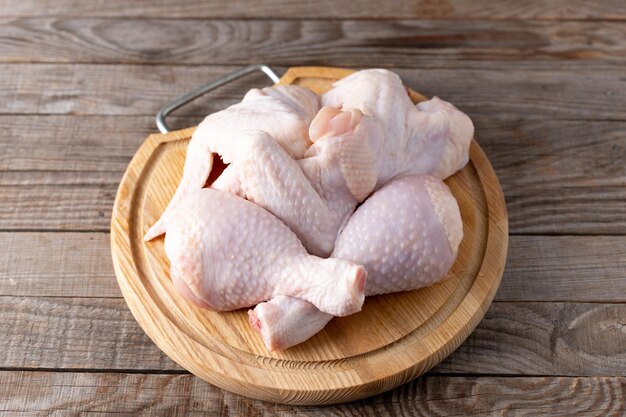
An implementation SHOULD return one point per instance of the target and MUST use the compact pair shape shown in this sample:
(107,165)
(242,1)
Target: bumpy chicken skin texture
(368,134)
(432,137)
(283,112)
(406,235)
(240,255)
(353,154)
(315,195)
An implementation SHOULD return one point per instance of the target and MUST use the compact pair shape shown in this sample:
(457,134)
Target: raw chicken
(406,235)
(352,154)
(283,112)
(316,195)
(432,137)
(227,253)
(343,155)
(439,141)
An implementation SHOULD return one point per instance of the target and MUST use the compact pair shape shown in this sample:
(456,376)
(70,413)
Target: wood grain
(340,363)
(411,43)
(57,264)
(545,339)
(544,90)
(558,176)
(539,268)
(42,393)
(514,338)
(75,333)
(94,143)
(565,268)
(73,143)
(433,9)
(100,89)
(56,200)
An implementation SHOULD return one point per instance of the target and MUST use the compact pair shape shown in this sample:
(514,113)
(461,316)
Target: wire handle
(181,101)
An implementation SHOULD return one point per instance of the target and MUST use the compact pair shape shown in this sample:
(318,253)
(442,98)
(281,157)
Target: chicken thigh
(432,137)
(227,253)
(350,156)
(283,112)
(315,195)
(406,235)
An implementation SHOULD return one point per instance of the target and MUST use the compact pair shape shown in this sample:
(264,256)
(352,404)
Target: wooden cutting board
(394,339)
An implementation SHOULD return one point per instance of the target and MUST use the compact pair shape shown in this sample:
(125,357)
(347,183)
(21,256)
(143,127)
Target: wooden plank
(57,264)
(53,200)
(85,333)
(419,43)
(78,144)
(561,177)
(457,9)
(539,268)
(546,91)
(545,339)
(565,268)
(41,393)
(585,339)
(115,89)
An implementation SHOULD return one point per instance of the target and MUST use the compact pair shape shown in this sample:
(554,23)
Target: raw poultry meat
(227,253)
(406,235)
(316,195)
(432,137)
(283,112)
(352,154)
(368,136)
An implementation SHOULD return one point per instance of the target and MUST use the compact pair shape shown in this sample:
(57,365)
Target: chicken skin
(228,253)
(406,235)
(283,112)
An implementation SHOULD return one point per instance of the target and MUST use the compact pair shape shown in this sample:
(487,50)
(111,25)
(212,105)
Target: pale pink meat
(432,137)
(315,195)
(310,169)
(406,235)
(352,155)
(282,112)
(239,255)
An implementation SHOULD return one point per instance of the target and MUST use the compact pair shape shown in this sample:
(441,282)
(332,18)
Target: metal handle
(181,101)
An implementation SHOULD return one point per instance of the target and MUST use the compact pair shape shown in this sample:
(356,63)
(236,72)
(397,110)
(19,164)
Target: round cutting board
(395,338)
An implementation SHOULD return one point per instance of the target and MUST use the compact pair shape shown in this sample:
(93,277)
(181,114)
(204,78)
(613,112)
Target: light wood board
(393,340)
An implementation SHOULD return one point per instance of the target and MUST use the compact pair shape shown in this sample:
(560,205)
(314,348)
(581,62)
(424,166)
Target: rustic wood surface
(326,9)
(515,338)
(35,393)
(303,42)
(80,83)
(340,363)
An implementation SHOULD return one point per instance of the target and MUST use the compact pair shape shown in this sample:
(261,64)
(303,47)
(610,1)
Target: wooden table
(544,82)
